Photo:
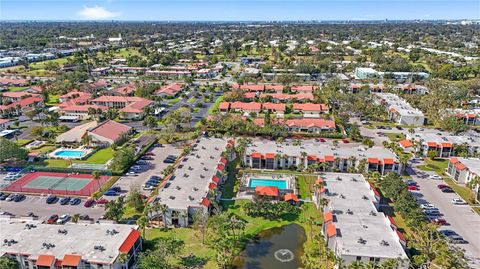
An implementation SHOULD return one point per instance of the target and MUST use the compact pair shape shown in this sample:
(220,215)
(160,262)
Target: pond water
(277,248)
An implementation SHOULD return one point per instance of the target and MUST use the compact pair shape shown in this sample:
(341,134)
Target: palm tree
(96,177)
(163,208)
(142,223)
(122,258)
(184,216)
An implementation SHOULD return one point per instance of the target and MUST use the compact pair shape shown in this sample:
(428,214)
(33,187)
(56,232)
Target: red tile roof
(137,107)
(129,241)
(406,143)
(388,161)
(126,89)
(290,197)
(81,108)
(18,95)
(328,216)
(460,166)
(111,129)
(13,81)
(309,123)
(454,160)
(224,106)
(205,202)
(45,260)
(246,106)
(273,106)
(170,89)
(311,107)
(26,102)
(331,230)
(249,87)
(267,191)
(303,88)
(71,260)
(284,96)
(122,99)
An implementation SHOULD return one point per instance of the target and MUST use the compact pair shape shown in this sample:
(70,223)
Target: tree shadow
(192,261)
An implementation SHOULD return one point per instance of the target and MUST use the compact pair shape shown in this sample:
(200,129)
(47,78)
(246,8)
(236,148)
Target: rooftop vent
(190,198)
(10,242)
(339,178)
(354,179)
(172,197)
(373,213)
(62,231)
(342,196)
(178,187)
(29,226)
(361,241)
(349,212)
(100,248)
(384,243)
(112,232)
(195,189)
(47,245)
(364,197)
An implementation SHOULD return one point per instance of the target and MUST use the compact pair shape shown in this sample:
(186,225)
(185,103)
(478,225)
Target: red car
(102,201)
(412,188)
(89,203)
(439,221)
(442,186)
(345,141)
(53,219)
(322,140)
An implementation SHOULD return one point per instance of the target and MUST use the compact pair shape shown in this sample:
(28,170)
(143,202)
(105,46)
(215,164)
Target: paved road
(154,167)
(38,205)
(462,218)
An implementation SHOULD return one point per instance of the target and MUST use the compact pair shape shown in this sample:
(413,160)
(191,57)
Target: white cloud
(97,13)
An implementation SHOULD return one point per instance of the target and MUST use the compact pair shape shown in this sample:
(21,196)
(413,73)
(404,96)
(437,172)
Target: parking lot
(460,218)
(152,168)
(38,206)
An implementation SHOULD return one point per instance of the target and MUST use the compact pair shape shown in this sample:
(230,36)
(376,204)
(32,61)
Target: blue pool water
(70,153)
(279,183)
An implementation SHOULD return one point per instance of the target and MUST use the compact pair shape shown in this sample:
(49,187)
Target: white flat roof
(472,164)
(353,193)
(193,175)
(80,239)
(428,135)
(399,104)
(319,149)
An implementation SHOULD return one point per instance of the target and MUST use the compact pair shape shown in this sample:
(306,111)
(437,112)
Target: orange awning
(270,156)
(328,216)
(460,166)
(215,179)
(329,158)
(454,160)
(212,186)
(45,260)
(388,161)
(446,145)
(256,155)
(373,160)
(130,241)
(290,197)
(205,202)
(71,260)
(432,144)
(331,230)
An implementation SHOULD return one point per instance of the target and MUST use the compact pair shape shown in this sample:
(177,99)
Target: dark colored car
(84,217)
(102,201)
(117,189)
(442,186)
(110,193)
(448,232)
(4,196)
(65,200)
(53,219)
(52,199)
(75,201)
(19,198)
(89,203)
(447,190)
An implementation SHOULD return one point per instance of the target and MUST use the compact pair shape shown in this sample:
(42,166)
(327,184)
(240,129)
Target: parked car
(52,199)
(84,217)
(110,193)
(52,219)
(117,189)
(448,232)
(4,197)
(412,188)
(149,153)
(102,201)
(432,212)
(411,182)
(435,177)
(442,186)
(63,219)
(448,190)
(75,201)
(456,239)
(458,201)
(427,206)
(65,200)
(148,187)
(11,197)
(19,198)
(89,203)
(439,221)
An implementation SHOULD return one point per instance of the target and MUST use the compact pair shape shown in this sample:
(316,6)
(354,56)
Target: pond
(277,248)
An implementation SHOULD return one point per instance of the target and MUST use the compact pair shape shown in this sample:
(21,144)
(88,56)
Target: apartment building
(444,142)
(267,154)
(399,110)
(354,228)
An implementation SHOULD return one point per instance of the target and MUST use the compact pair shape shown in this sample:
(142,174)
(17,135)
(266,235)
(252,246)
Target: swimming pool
(279,183)
(70,153)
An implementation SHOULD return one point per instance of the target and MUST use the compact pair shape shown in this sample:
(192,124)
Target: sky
(238,10)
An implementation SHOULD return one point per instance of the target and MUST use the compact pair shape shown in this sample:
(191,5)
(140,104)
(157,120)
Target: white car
(148,188)
(436,177)
(427,206)
(458,201)
(63,219)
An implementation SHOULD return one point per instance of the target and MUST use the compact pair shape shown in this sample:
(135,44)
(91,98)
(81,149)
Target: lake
(277,248)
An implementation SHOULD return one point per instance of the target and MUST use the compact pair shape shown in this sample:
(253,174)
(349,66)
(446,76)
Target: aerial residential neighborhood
(238,134)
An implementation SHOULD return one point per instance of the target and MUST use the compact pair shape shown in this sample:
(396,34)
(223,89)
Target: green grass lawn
(57,163)
(99,157)
(42,64)
(305,184)
(394,137)
(215,105)
(16,89)
(23,142)
(191,100)
(230,187)
(44,149)
(437,165)
(52,100)
(174,100)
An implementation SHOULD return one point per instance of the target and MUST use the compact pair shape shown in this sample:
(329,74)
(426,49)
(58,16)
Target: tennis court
(57,183)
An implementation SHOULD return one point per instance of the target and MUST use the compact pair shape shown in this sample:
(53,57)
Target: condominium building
(444,143)
(73,245)
(267,154)
(399,110)
(196,180)
(370,73)
(464,171)
(354,228)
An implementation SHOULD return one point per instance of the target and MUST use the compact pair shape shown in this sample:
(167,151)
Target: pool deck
(87,152)
(247,192)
